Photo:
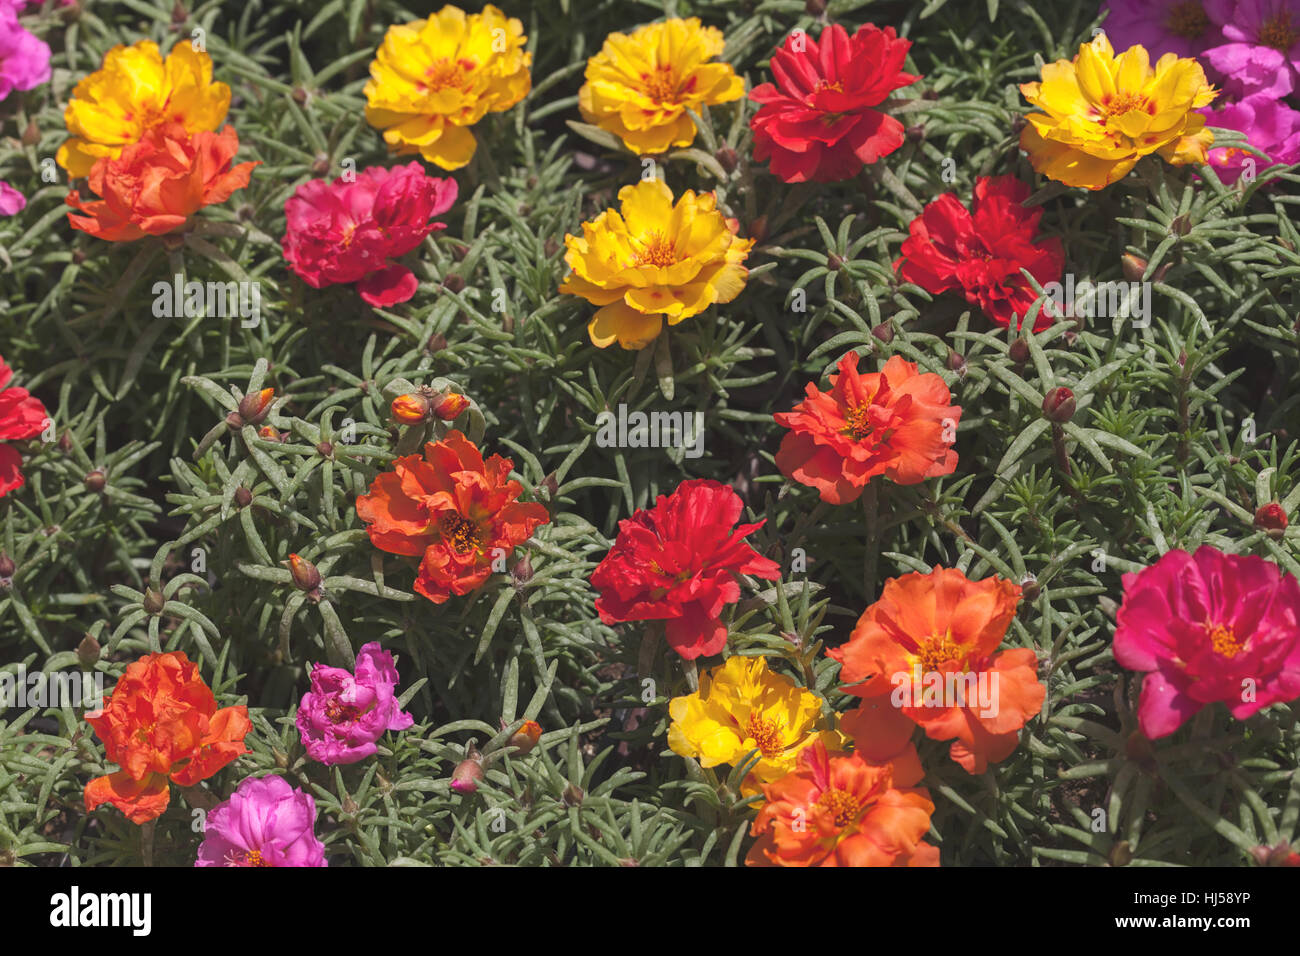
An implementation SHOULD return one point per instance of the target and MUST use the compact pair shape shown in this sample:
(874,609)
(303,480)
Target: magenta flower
(1269,124)
(265,822)
(24,59)
(345,232)
(1209,627)
(11,200)
(343,715)
(1161,26)
(1259,51)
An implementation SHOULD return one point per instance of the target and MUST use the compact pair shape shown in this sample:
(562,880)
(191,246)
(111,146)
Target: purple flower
(343,715)
(1260,48)
(1161,26)
(24,59)
(265,822)
(1269,125)
(11,200)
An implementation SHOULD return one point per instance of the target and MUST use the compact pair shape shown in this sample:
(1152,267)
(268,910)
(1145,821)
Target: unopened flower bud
(814,8)
(321,164)
(1133,267)
(1271,518)
(243,497)
(522,572)
(728,159)
(325,449)
(1181,225)
(758,230)
(1059,405)
(884,332)
(412,409)
(551,485)
(956,363)
(88,651)
(834,262)
(7,566)
(153,602)
(269,433)
(32,134)
(255,406)
(915,134)
(95,481)
(1019,351)
(453,283)
(1121,854)
(450,406)
(526,737)
(304,574)
(1030,588)
(299,95)
(436,344)
(572,795)
(465,778)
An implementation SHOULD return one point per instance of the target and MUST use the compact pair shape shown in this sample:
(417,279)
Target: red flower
(896,422)
(155,185)
(817,120)
(21,416)
(453,510)
(344,232)
(981,252)
(678,562)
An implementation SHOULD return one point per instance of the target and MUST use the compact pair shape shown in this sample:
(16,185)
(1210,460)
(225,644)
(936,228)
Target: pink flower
(11,200)
(344,232)
(265,822)
(1161,26)
(1259,51)
(343,715)
(1209,627)
(24,59)
(1269,124)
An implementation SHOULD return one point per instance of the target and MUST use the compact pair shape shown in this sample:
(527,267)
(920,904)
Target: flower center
(857,424)
(1224,640)
(657,250)
(843,807)
(661,85)
(766,735)
(936,651)
(1125,102)
(246,858)
(1187,19)
(340,713)
(462,534)
(1278,32)
(443,73)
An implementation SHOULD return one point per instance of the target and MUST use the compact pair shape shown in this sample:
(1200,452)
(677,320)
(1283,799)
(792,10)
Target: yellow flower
(742,706)
(654,261)
(132,92)
(1102,113)
(639,86)
(433,79)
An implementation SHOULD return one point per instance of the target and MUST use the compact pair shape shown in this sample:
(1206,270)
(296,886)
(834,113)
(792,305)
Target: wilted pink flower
(1209,627)
(344,232)
(1269,124)
(343,715)
(24,59)
(11,200)
(265,822)
(1259,51)
(1160,26)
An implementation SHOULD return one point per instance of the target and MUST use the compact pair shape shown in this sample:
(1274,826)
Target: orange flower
(454,511)
(929,647)
(155,185)
(842,810)
(162,722)
(896,422)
